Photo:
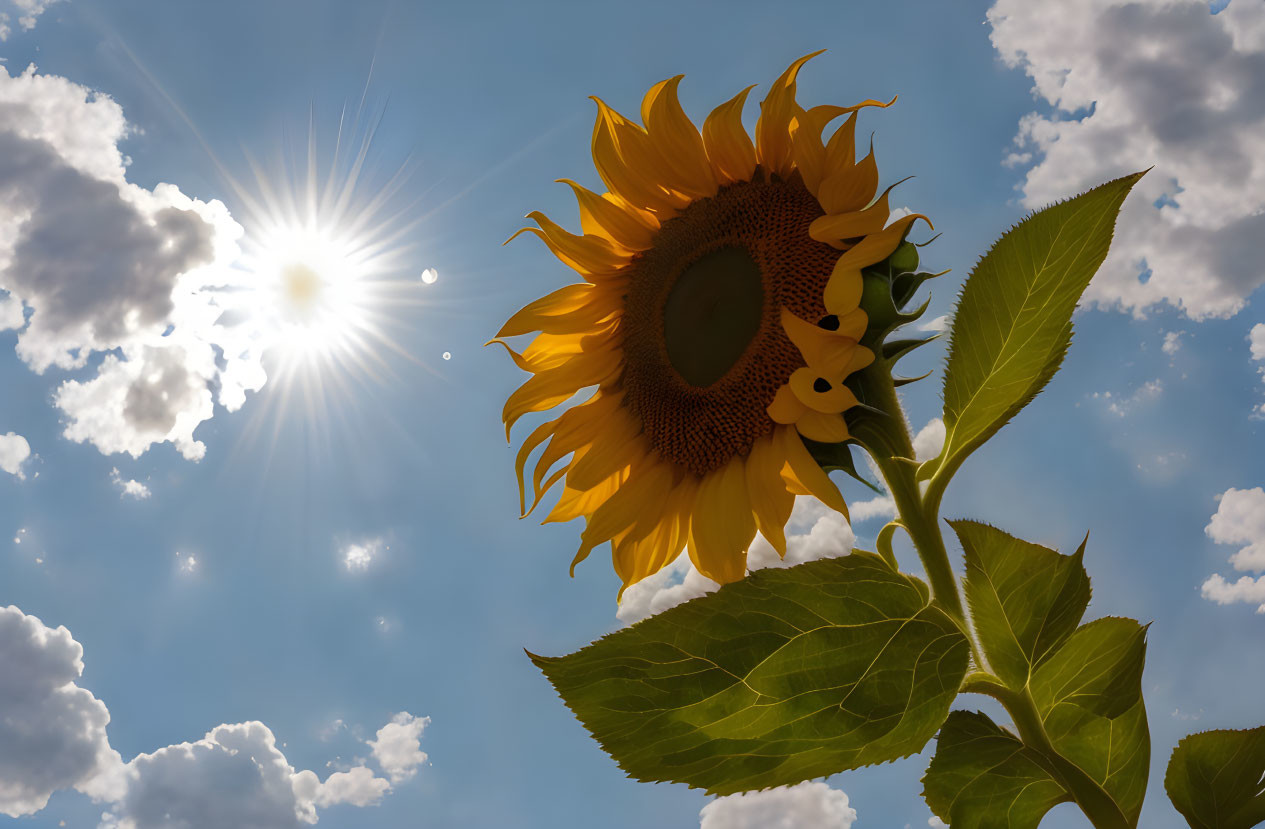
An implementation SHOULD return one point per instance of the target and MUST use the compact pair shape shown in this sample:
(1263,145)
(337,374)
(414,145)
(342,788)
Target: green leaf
(1025,599)
(785,676)
(1216,779)
(1089,696)
(983,777)
(1013,321)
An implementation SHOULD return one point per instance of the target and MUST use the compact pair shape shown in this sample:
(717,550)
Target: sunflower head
(718,318)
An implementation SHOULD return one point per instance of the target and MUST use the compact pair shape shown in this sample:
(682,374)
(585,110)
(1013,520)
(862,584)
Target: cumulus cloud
(397,748)
(101,265)
(358,557)
(1256,344)
(1239,519)
(1160,82)
(129,488)
(53,736)
(806,804)
(25,11)
(1172,342)
(929,440)
(14,452)
(52,732)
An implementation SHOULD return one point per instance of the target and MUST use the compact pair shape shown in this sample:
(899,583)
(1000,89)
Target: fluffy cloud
(1256,342)
(929,440)
(814,531)
(233,778)
(1172,342)
(52,732)
(27,11)
(14,451)
(1158,82)
(53,736)
(129,488)
(806,804)
(1239,519)
(397,748)
(102,265)
(358,557)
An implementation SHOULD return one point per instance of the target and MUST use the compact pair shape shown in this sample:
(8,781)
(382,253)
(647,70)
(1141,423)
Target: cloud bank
(1133,84)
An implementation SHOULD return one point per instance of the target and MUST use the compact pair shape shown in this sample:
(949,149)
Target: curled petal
(786,408)
(807,150)
(629,165)
(614,219)
(820,394)
(729,148)
(805,477)
(848,190)
(643,495)
(772,131)
(677,141)
(821,427)
(549,388)
(567,310)
(589,255)
(878,246)
(828,352)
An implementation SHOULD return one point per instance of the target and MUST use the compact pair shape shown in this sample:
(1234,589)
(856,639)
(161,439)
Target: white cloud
(1122,405)
(938,324)
(129,488)
(881,507)
(1172,342)
(106,266)
(53,736)
(27,12)
(14,452)
(1239,519)
(792,807)
(52,732)
(11,315)
(358,557)
(936,823)
(1256,341)
(1164,83)
(929,440)
(397,749)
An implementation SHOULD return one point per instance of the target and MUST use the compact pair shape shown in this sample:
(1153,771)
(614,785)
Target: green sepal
(894,350)
(1013,320)
(905,381)
(984,777)
(785,676)
(837,456)
(1215,779)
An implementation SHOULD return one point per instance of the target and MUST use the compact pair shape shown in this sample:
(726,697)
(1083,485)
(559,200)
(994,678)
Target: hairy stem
(886,436)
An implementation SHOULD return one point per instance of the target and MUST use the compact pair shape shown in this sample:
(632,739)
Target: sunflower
(718,317)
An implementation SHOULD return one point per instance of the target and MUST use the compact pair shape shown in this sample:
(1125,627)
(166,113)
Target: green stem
(888,440)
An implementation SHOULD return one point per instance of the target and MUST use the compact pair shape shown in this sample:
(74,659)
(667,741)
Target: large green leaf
(1013,321)
(785,676)
(1025,599)
(983,777)
(1089,696)
(1216,779)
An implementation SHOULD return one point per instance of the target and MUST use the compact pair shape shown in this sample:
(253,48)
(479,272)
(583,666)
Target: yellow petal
(584,254)
(828,352)
(878,246)
(537,437)
(578,427)
(824,428)
(838,226)
(819,393)
(722,526)
(615,448)
(577,502)
(728,146)
(552,350)
(566,310)
(549,388)
(629,165)
(642,495)
(772,131)
(850,189)
(612,218)
(807,150)
(677,141)
(786,407)
(805,476)
(770,500)
(635,559)
(841,148)
(844,288)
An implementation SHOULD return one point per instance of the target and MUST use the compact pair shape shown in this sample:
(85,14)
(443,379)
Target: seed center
(712,313)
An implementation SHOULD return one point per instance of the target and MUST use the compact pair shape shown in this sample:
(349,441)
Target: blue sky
(1153,427)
